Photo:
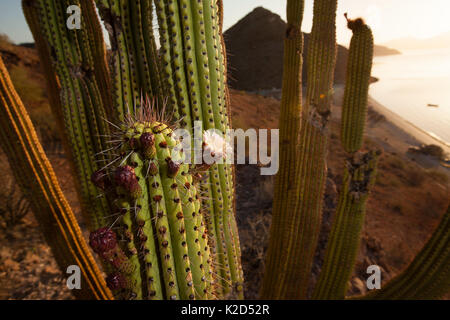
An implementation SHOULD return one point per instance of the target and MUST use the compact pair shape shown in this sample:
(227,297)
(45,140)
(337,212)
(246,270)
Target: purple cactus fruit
(147,141)
(125,177)
(116,281)
(153,169)
(172,168)
(133,143)
(100,179)
(102,240)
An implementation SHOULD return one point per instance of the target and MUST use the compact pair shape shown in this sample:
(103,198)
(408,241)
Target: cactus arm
(122,71)
(428,275)
(344,239)
(290,114)
(183,233)
(313,149)
(194,76)
(226,114)
(225,174)
(153,59)
(81,100)
(354,107)
(26,157)
(193,62)
(207,93)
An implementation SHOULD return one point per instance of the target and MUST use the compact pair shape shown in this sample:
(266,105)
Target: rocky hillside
(255,52)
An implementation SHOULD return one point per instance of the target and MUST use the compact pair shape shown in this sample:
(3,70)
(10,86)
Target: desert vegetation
(161,229)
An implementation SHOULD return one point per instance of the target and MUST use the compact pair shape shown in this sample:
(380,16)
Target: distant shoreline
(416,135)
(408,127)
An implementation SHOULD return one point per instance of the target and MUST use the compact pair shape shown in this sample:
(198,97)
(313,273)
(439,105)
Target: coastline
(415,132)
(395,134)
(394,124)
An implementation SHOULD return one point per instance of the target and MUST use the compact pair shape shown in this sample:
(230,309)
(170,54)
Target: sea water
(409,82)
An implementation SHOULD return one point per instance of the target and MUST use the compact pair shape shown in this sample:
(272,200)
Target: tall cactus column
(344,240)
(306,178)
(286,188)
(74,54)
(354,107)
(37,180)
(193,62)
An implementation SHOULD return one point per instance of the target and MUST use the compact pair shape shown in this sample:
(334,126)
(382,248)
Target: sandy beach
(394,133)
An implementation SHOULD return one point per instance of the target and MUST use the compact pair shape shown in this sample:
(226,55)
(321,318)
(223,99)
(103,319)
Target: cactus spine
(354,107)
(37,180)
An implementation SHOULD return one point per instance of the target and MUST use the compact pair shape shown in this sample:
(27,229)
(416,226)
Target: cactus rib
(26,157)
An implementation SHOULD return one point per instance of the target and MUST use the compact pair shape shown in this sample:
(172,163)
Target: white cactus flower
(215,145)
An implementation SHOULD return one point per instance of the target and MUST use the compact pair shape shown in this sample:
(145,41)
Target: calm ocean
(411,81)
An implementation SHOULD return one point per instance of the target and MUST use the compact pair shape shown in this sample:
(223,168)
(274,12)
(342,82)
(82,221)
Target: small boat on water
(433,105)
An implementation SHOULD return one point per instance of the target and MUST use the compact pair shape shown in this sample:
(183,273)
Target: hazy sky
(389,19)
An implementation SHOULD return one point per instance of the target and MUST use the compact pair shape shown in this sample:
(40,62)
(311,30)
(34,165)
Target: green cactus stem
(194,64)
(428,275)
(79,66)
(305,173)
(135,65)
(344,240)
(354,107)
(290,114)
(36,178)
(159,213)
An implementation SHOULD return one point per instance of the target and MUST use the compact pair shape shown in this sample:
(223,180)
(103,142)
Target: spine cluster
(159,215)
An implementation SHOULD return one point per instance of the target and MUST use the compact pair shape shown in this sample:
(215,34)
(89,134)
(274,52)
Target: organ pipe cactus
(37,180)
(190,37)
(344,239)
(79,66)
(294,227)
(359,173)
(287,187)
(166,229)
(354,107)
(160,212)
(297,217)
